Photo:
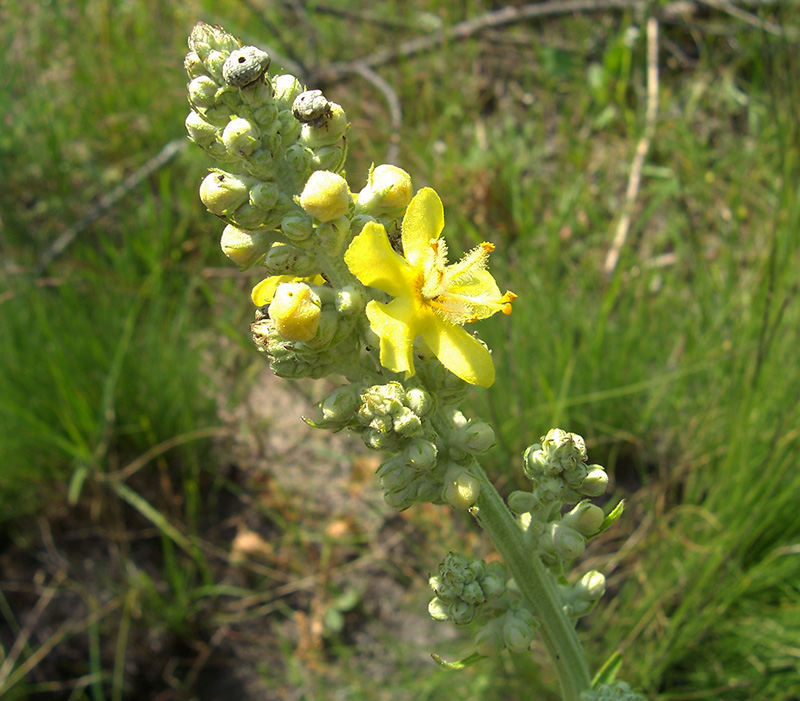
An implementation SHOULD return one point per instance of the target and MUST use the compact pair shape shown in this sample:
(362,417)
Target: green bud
(421,454)
(493,582)
(248,216)
(585,518)
(218,115)
(406,423)
(420,401)
(214,62)
(461,612)
(265,196)
(222,192)
(330,158)
(438,609)
(567,542)
(326,330)
(341,405)
(615,691)
(595,482)
(518,629)
(299,159)
(522,502)
(194,65)
(205,37)
(591,586)
(379,440)
(331,235)
(203,91)
(199,130)
(461,488)
(473,594)
(395,475)
(245,248)
(297,226)
(241,137)
(287,88)
(289,260)
(350,301)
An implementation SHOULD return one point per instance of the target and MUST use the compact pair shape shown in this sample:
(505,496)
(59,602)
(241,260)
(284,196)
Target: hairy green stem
(538,588)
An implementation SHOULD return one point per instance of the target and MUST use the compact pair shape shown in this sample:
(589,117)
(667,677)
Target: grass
(129,352)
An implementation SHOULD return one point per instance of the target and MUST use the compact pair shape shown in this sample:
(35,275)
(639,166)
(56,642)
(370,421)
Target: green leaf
(460,664)
(608,672)
(613,516)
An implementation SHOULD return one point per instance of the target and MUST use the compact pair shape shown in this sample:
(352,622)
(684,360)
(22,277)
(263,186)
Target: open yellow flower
(431,299)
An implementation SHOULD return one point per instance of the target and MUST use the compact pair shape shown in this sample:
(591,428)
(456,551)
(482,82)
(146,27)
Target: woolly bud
(297,226)
(351,300)
(522,502)
(241,137)
(518,629)
(420,401)
(388,189)
(295,309)
(288,260)
(287,88)
(585,518)
(325,196)
(199,130)
(245,248)
(202,91)
(406,423)
(421,454)
(223,192)
(567,542)
(326,131)
(595,482)
(461,489)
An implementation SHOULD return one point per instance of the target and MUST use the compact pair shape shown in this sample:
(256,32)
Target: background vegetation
(168,527)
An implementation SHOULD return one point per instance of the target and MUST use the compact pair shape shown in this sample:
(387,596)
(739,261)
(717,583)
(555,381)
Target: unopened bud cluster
(558,470)
(463,586)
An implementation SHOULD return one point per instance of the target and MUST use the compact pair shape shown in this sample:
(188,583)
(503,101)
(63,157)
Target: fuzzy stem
(538,588)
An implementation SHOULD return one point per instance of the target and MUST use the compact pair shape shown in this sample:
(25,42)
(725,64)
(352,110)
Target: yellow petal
(460,353)
(264,291)
(423,221)
(371,259)
(389,322)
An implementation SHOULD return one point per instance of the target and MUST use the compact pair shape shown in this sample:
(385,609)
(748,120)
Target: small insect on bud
(245,66)
(311,107)
(223,192)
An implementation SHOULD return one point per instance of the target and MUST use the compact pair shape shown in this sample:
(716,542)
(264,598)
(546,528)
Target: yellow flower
(264,291)
(431,299)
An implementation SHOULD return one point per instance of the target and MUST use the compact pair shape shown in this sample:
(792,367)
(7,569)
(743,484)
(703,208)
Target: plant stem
(538,588)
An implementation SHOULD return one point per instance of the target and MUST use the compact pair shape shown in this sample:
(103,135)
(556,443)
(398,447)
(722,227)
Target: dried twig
(749,18)
(642,148)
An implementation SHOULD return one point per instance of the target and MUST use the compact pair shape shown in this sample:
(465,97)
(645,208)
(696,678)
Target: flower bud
(522,502)
(194,65)
(474,437)
(585,518)
(202,91)
(245,66)
(461,612)
(325,196)
(288,260)
(591,586)
(295,309)
(473,594)
(205,37)
(265,196)
(407,423)
(297,226)
(327,131)
(199,130)
(461,489)
(567,542)
(350,301)
(240,137)
(214,62)
(245,248)
(248,216)
(595,482)
(222,192)
(493,582)
(331,235)
(421,454)
(518,630)
(438,609)
(388,189)
(329,157)
(420,401)
(341,404)
(287,88)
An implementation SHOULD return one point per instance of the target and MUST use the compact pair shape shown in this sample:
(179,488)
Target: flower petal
(461,353)
(264,291)
(391,323)
(423,222)
(371,259)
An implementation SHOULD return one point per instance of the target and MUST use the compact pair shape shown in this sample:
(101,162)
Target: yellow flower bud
(388,188)
(325,196)
(245,248)
(461,489)
(295,309)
